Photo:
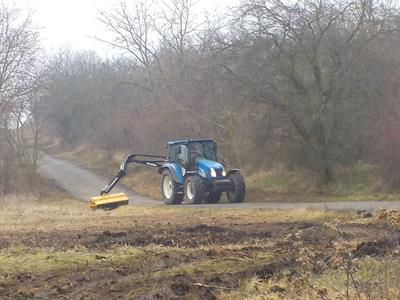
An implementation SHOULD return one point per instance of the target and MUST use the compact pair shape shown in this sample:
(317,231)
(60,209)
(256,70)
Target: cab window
(202,150)
(178,154)
(182,156)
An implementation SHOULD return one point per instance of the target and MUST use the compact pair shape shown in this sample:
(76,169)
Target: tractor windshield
(202,150)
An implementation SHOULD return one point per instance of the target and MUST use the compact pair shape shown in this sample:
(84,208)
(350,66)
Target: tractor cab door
(179,154)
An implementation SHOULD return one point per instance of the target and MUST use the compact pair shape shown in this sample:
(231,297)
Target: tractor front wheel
(236,195)
(169,189)
(195,189)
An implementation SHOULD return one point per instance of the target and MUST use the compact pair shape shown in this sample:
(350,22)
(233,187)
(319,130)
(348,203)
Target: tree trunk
(326,172)
(2,177)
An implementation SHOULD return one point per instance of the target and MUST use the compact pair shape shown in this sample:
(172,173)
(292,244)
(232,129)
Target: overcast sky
(73,23)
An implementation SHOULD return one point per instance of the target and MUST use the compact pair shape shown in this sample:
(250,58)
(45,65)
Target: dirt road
(83,184)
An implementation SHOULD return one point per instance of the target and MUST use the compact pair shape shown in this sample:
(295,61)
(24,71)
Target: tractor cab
(188,153)
(193,172)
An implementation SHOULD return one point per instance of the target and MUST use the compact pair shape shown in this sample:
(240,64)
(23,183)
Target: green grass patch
(19,259)
(214,266)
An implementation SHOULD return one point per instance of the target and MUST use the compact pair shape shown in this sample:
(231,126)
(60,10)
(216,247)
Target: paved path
(81,183)
(84,184)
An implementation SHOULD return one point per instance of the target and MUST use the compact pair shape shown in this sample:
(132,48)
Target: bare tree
(314,48)
(177,26)
(18,69)
(132,32)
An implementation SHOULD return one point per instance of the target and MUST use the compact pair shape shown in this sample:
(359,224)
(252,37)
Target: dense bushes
(387,151)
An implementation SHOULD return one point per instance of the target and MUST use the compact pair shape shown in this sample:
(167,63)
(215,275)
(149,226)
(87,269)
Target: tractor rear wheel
(236,195)
(213,197)
(169,189)
(195,189)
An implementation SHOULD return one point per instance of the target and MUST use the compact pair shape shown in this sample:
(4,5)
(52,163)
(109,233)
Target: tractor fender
(175,170)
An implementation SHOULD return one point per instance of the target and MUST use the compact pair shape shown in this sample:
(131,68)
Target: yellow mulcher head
(109,201)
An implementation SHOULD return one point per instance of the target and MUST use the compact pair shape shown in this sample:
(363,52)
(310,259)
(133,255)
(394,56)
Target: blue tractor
(191,170)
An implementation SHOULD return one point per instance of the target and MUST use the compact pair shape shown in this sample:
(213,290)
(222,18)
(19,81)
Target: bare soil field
(53,247)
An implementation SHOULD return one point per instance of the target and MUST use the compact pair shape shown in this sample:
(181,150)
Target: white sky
(73,23)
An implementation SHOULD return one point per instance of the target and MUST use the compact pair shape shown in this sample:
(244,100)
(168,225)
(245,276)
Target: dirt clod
(180,289)
(277,289)
(373,248)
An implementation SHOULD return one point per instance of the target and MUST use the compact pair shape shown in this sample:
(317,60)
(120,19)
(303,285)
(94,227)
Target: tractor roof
(188,141)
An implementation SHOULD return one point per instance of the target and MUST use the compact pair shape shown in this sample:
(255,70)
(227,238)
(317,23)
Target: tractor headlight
(183,171)
(223,172)
(213,173)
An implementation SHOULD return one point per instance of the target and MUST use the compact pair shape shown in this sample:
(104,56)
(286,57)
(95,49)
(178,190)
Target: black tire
(239,188)
(170,194)
(195,189)
(213,197)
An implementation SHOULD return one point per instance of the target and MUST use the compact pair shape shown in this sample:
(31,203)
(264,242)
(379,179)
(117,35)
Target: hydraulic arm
(107,201)
(155,161)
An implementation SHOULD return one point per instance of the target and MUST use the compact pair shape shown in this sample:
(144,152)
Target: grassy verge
(359,183)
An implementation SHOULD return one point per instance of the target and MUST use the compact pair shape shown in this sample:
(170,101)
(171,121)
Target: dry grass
(60,212)
(351,184)
(145,182)
(376,278)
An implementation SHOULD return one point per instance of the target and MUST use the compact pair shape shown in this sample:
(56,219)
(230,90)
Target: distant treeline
(312,84)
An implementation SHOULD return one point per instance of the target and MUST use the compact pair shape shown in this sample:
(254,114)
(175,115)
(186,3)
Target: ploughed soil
(71,252)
